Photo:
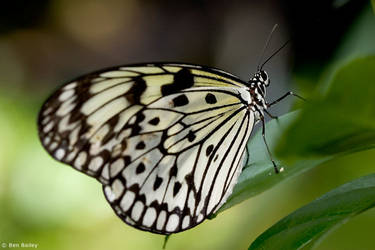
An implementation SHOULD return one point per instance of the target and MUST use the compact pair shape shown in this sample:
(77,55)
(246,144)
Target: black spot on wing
(191,136)
(141,168)
(189,180)
(180,100)
(134,94)
(127,160)
(157,182)
(210,98)
(139,117)
(183,79)
(176,188)
(135,129)
(173,171)
(140,145)
(155,121)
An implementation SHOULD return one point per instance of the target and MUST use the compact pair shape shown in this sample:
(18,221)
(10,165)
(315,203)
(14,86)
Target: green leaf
(305,226)
(342,122)
(259,175)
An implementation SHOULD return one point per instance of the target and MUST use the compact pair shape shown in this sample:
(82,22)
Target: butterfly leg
(283,97)
(265,142)
(270,115)
(247,156)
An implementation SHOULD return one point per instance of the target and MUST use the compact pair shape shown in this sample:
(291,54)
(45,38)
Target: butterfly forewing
(165,140)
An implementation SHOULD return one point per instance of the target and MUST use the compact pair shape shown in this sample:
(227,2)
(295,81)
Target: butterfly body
(166,140)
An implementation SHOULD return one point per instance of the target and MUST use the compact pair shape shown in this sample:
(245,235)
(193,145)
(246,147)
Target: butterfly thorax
(257,87)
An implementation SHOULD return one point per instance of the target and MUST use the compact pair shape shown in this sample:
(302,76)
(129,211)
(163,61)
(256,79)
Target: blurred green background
(46,43)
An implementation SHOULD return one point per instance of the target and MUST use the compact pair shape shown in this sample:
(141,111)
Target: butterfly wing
(165,140)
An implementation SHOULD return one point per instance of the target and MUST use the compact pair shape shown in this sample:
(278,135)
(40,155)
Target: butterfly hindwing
(166,140)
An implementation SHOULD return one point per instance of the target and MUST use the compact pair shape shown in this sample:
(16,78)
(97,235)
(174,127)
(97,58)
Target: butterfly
(167,141)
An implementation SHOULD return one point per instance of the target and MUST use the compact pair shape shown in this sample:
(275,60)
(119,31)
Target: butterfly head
(260,82)
(262,78)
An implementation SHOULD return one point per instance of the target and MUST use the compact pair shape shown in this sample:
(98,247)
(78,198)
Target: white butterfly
(166,140)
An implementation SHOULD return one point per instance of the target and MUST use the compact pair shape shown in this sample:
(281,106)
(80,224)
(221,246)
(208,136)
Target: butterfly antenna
(273,54)
(266,46)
